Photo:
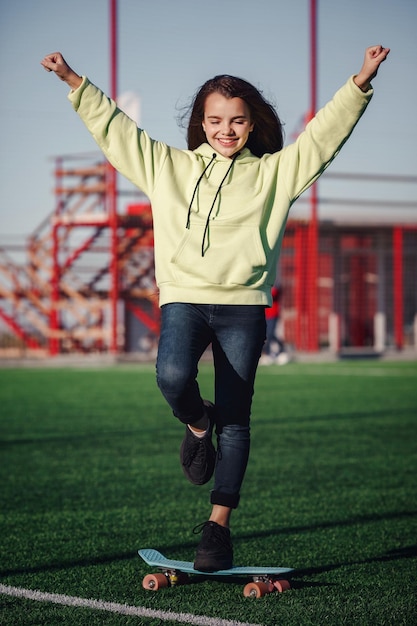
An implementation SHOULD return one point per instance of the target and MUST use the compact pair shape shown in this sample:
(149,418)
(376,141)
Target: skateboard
(265,579)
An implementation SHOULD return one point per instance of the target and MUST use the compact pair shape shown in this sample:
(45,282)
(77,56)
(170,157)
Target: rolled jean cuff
(225,499)
(189,419)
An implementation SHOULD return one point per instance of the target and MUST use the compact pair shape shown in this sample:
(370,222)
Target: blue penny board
(156,559)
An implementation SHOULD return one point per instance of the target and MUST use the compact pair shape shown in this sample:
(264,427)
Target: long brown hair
(267,135)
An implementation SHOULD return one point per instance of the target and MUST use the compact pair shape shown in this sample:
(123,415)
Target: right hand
(56,63)
(374,56)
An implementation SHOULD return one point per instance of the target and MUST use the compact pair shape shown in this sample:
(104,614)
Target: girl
(219,211)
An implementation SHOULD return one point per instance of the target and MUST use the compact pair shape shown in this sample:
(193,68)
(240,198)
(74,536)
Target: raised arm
(128,148)
(55,62)
(332,125)
(374,56)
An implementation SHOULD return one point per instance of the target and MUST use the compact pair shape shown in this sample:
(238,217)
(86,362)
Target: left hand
(374,56)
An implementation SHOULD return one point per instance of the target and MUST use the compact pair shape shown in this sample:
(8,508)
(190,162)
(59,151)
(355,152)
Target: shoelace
(199,528)
(217,532)
(194,449)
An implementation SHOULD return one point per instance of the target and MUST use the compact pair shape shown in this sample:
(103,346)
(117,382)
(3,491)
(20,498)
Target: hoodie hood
(206,151)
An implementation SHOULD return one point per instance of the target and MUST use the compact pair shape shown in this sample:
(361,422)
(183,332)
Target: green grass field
(90,473)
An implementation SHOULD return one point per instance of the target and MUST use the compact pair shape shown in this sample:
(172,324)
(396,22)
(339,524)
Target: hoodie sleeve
(324,136)
(128,148)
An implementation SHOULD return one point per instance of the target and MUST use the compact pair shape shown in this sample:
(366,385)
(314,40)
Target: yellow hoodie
(218,222)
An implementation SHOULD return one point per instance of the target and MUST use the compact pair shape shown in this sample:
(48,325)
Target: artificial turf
(90,473)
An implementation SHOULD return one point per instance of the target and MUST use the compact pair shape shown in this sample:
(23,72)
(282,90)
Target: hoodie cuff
(368,93)
(74,95)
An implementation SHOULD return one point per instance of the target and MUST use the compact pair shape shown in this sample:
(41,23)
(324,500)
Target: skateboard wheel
(178,578)
(155,582)
(281,585)
(256,590)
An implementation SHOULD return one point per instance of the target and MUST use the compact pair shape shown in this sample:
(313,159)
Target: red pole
(313,56)
(397,254)
(54,313)
(312,283)
(54,317)
(112,188)
(299,284)
(113,49)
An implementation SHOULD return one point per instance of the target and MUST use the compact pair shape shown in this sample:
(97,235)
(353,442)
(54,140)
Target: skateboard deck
(172,572)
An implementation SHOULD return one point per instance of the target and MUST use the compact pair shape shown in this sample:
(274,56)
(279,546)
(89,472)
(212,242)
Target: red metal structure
(112,181)
(87,280)
(398,267)
(62,298)
(312,242)
(366,296)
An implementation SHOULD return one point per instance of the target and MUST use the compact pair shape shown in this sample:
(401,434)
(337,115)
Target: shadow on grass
(300,419)
(104,435)
(88,437)
(63,565)
(360,519)
(408,552)
(392,555)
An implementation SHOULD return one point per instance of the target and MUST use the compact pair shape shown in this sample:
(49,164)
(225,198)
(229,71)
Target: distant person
(274,349)
(219,210)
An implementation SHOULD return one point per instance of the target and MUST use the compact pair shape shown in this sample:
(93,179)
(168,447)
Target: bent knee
(172,379)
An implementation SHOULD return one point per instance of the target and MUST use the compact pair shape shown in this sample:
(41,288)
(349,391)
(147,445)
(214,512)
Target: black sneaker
(198,456)
(215,550)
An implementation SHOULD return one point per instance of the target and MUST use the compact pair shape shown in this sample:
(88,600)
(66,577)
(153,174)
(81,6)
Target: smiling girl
(219,210)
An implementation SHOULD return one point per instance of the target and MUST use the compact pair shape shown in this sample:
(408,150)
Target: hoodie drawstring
(196,187)
(214,201)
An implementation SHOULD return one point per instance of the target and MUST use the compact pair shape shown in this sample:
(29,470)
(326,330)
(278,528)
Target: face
(226,123)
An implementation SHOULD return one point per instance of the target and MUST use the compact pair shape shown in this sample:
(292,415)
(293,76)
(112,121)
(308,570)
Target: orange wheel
(155,582)
(282,585)
(256,590)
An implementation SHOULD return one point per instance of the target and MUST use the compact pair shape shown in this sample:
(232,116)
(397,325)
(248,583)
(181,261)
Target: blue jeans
(237,335)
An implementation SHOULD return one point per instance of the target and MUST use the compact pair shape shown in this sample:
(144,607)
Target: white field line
(114,607)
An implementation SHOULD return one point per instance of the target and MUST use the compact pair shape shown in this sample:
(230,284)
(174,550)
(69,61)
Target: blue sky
(168,48)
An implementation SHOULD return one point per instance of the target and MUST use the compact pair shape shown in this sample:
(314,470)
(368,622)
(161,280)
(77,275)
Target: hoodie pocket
(234,256)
